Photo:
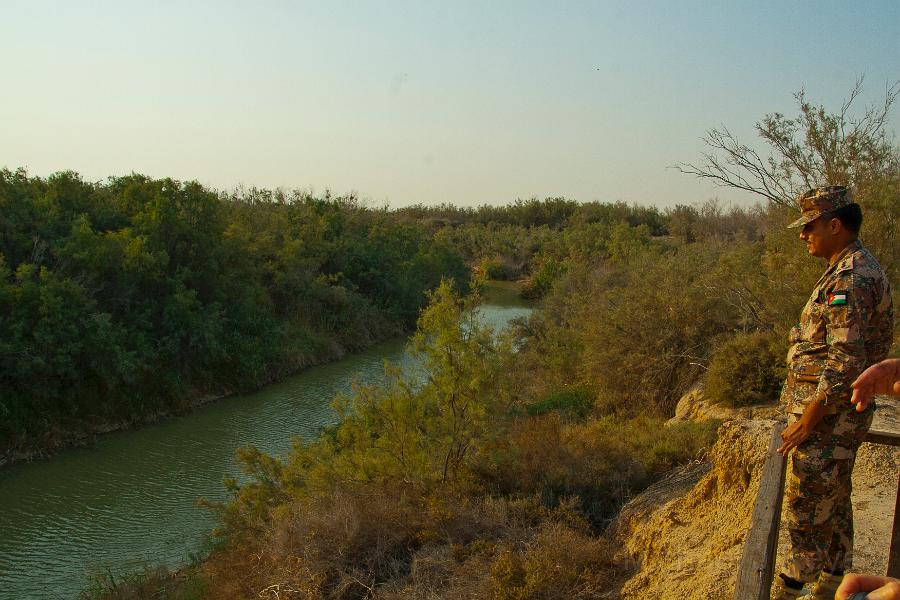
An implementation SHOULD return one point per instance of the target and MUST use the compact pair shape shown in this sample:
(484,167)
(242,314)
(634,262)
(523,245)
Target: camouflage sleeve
(848,307)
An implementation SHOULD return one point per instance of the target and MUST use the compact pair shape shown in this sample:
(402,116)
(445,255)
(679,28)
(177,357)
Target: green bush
(498,269)
(124,299)
(575,403)
(745,370)
(543,277)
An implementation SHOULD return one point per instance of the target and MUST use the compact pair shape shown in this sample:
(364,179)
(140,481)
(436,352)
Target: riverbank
(81,434)
(126,301)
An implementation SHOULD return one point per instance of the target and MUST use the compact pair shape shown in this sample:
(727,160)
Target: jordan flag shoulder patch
(837,298)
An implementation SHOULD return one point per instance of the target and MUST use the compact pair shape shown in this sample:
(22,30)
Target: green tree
(424,434)
(124,298)
(683,223)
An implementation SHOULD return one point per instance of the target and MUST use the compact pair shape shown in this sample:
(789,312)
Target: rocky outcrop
(695,406)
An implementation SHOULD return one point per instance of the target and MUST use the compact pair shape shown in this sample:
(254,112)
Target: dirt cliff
(685,534)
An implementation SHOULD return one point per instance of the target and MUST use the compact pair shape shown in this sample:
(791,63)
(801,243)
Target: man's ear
(835,226)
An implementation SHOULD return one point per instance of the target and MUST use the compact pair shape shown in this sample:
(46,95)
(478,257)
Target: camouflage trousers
(818,512)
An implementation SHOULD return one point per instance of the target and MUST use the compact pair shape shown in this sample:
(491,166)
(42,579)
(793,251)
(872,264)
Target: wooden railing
(757,566)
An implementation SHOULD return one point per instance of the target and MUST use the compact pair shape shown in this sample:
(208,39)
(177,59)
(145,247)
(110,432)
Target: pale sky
(406,102)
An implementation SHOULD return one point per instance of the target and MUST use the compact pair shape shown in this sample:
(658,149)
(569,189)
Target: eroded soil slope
(686,533)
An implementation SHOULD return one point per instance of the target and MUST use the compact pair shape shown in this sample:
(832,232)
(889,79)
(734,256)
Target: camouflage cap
(822,200)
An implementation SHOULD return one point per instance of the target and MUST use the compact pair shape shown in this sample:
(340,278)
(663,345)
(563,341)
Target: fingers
(792,436)
(860,398)
(880,378)
(784,439)
(873,378)
(864,390)
(891,591)
(884,588)
(785,443)
(866,377)
(853,583)
(786,447)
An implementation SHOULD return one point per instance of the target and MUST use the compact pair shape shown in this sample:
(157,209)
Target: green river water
(129,500)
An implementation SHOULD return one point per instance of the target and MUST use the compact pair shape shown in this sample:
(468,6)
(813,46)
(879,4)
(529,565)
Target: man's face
(819,237)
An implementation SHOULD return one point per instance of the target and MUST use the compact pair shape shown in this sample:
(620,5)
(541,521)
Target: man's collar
(851,247)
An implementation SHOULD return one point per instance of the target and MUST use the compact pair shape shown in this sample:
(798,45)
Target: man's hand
(881,378)
(797,432)
(878,588)
(793,435)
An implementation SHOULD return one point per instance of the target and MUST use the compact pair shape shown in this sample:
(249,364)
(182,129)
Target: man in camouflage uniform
(846,325)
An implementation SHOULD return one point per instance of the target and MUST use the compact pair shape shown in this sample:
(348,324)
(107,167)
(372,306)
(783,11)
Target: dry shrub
(432,568)
(540,553)
(336,546)
(354,538)
(560,561)
(445,572)
(602,461)
(357,540)
(373,542)
(242,571)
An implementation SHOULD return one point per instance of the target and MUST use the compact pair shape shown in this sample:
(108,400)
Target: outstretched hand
(881,378)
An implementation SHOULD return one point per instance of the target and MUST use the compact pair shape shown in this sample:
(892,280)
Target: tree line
(133,297)
(122,299)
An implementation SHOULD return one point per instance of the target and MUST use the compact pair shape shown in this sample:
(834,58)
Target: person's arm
(848,309)
(878,588)
(881,378)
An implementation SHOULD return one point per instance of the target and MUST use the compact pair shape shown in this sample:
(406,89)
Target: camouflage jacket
(846,325)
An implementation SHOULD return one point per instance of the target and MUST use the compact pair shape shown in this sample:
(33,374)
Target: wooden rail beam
(887,438)
(754,580)
(893,569)
(891,439)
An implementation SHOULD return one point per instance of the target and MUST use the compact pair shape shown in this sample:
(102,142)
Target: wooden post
(891,439)
(893,569)
(757,566)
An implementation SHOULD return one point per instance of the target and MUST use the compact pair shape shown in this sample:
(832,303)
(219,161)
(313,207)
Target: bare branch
(816,148)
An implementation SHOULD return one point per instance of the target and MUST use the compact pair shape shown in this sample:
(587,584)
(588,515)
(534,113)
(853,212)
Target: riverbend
(130,499)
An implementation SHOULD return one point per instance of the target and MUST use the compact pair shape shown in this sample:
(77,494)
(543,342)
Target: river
(130,499)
